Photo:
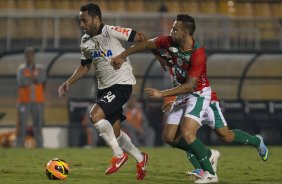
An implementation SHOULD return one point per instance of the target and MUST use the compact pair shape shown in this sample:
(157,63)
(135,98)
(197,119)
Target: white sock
(126,144)
(106,131)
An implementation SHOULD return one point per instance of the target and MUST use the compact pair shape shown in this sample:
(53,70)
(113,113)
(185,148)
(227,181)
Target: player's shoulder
(115,27)
(165,37)
(108,28)
(198,48)
(197,45)
(119,30)
(165,41)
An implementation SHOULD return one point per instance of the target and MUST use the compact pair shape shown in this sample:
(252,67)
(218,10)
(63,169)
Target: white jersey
(99,50)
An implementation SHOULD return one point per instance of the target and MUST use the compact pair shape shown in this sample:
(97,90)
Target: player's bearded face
(177,32)
(87,23)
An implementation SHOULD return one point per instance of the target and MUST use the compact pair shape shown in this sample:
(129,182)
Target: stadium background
(243,39)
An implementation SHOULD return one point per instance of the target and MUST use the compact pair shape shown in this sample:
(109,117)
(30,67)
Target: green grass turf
(166,165)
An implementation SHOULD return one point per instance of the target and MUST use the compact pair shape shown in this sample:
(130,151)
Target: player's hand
(166,107)
(117,61)
(63,89)
(153,93)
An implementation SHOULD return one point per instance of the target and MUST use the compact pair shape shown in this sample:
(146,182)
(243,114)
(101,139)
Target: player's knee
(228,137)
(95,117)
(189,136)
(96,114)
(169,140)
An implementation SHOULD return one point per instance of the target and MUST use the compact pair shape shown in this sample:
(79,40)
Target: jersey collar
(100,28)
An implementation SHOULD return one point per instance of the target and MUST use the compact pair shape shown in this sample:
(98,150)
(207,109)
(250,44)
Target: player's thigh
(189,128)
(176,114)
(96,113)
(171,132)
(172,127)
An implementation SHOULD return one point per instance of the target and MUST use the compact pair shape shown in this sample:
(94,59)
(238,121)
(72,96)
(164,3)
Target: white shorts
(193,105)
(214,117)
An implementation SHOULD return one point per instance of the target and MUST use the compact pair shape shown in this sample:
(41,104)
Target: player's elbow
(191,84)
(82,70)
(188,88)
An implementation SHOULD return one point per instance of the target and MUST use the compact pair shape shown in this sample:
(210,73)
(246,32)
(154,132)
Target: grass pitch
(165,166)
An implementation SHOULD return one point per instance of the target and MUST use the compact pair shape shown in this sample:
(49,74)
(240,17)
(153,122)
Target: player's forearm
(138,47)
(79,73)
(185,88)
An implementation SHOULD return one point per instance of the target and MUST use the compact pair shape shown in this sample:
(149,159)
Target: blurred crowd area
(245,33)
(221,24)
(268,8)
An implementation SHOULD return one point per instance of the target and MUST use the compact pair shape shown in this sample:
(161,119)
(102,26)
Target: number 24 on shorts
(109,97)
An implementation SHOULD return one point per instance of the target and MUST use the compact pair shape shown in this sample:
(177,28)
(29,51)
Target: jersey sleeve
(163,42)
(198,62)
(121,33)
(85,56)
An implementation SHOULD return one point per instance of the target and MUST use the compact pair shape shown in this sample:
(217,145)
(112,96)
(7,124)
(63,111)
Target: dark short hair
(93,10)
(188,22)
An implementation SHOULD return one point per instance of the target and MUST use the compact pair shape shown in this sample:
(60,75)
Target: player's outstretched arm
(187,87)
(184,88)
(119,59)
(78,73)
(140,37)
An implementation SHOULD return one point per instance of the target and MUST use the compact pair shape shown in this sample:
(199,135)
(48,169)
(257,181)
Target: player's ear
(96,19)
(186,32)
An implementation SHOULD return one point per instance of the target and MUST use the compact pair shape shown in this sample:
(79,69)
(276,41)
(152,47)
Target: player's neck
(96,30)
(187,45)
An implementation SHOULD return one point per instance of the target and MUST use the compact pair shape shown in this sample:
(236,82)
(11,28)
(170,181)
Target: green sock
(181,144)
(245,138)
(201,153)
(193,160)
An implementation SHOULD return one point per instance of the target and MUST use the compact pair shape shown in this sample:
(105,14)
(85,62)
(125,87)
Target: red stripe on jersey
(214,96)
(198,68)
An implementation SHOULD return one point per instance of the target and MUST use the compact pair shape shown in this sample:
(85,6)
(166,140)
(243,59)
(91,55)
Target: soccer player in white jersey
(99,43)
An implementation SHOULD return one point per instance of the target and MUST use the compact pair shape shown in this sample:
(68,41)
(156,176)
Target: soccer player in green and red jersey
(191,88)
(187,66)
